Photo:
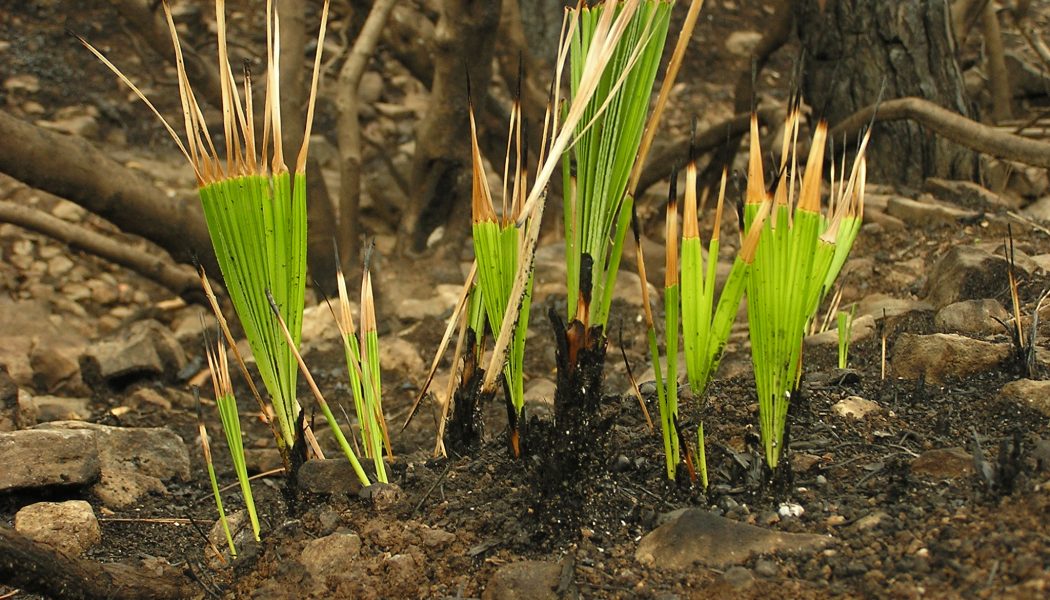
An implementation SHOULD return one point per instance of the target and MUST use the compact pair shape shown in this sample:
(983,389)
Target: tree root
(955,127)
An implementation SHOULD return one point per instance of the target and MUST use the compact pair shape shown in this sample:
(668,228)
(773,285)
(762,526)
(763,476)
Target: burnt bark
(466,425)
(441,182)
(855,47)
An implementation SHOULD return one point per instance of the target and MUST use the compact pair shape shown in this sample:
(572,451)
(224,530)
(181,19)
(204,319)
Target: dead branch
(998,82)
(71,168)
(959,129)
(36,568)
(178,278)
(349,129)
(677,151)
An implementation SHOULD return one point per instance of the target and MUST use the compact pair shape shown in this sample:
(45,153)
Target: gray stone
(433,537)
(146,349)
(741,43)
(56,408)
(881,305)
(926,212)
(524,580)
(969,194)
(332,555)
(855,407)
(943,463)
(400,355)
(56,368)
(240,529)
(870,521)
(37,458)
(17,409)
(738,577)
(966,273)
(698,536)
(863,328)
(943,356)
(1034,394)
(333,476)
(135,461)
(971,317)
(1039,210)
(70,527)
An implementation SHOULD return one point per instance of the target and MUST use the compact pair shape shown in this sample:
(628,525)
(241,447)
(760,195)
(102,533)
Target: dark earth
(910,508)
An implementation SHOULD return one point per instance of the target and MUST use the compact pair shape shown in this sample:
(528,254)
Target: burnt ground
(896,533)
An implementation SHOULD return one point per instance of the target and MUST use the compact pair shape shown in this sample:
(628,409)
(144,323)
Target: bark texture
(855,47)
(441,182)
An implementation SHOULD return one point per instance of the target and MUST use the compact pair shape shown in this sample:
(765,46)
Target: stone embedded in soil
(697,536)
(383,496)
(1031,393)
(331,556)
(397,354)
(524,580)
(863,328)
(941,356)
(539,398)
(17,409)
(240,528)
(856,407)
(966,273)
(56,368)
(56,408)
(135,461)
(971,317)
(881,305)
(70,527)
(926,212)
(37,458)
(332,476)
(146,349)
(943,463)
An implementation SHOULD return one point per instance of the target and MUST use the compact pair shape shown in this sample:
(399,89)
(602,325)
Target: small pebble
(766,568)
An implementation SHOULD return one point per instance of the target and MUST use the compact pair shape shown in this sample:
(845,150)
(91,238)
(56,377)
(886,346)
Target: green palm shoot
(705,325)
(799,256)
(206,448)
(596,169)
(364,373)
(254,205)
(219,367)
(497,240)
(845,333)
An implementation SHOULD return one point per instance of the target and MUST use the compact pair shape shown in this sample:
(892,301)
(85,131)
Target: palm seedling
(705,325)
(206,449)
(845,333)
(799,256)
(497,241)
(218,366)
(254,205)
(361,350)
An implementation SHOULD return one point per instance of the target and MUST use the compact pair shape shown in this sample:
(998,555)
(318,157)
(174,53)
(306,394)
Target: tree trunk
(855,47)
(441,181)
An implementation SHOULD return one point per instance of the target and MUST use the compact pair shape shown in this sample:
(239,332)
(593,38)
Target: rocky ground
(924,475)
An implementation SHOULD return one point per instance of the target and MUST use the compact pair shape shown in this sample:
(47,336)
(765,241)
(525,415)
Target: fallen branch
(677,151)
(36,568)
(71,168)
(180,279)
(955,127)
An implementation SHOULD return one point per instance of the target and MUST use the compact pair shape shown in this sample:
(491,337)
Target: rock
(943,463)
(1025,78)
(148,396)
(741,43)
(56,408)
(437,306)
(436,538)
(22,83)
(146,349)
(738,577)
(966,273)
(67,211)
(74,120)
(320,331)
(766,568)
(698,536)
(971,317)
(17,409)
(802,462)
(59,266)
(941,356)
(70,527)
(1039,210)
(134,461)
(968,194)
(260,460)
(36,458)
(881,305)
(397,354)
(539,397)
(927,212)
(370,90)
(855,407)
(1034,394)
(334,476)
(189,326)
(240,528)
(332,555)
(383,496)
(870,521)
(862,329)
(524,580)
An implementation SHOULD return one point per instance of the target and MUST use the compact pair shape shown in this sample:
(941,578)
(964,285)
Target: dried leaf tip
(756,182)
(482,210)
(690,218)
(671,235)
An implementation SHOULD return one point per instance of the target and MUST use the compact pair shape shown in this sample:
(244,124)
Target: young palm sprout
(206,448)
(845,333)
(255,206)
(497,241)
(363,371)
(799,256)
(705,325)
(219,368)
